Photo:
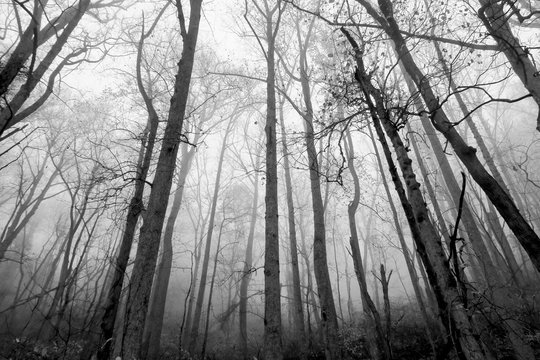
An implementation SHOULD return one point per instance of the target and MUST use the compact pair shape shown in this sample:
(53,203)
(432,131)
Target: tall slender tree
(136,206)
(271,12)
(147,250)
(194,331)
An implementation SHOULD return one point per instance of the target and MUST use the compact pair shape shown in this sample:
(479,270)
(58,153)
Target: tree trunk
(76,217)
(272,288)
(408,261)
(159,295)
(494,220)
(387,311)
(248,264)
(378,347)
(272,317)
(451,306)
(147,251)
(298,312)
(194,332)
(500,198)
(136,206)
(336,264)
(310,294)
(33,36)
(34,77)
(495,19)
(212,281)
(197,252)
(329,323)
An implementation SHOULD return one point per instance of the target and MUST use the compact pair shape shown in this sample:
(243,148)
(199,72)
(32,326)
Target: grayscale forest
(270,179)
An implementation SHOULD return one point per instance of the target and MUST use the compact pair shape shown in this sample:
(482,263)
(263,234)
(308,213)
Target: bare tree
(147,250)
(136,205)
(32,39)
(272,290)
(194,331)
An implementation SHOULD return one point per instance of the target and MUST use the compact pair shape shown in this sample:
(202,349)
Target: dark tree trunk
(450,301)
(497,195)
(408,260)
(135,208)
(159,294)
(147,251)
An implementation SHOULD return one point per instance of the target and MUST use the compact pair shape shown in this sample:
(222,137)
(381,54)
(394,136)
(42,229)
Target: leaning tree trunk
(159,294)
(497,195)
(494,220)
(35,75)
(452,309)
(147,251)
(408,261)
(34,36)
(136,206)
(495,19)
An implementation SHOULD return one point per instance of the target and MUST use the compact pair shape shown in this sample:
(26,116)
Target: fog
(269,179)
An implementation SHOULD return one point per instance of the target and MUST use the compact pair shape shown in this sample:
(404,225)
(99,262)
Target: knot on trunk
(470,150)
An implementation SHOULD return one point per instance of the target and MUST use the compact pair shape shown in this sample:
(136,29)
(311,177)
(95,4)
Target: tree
(378,346)
(147,250)
(248,262)
(330,327)
(497,195)
(449,298)
(194,331)
(136,205)
(272,291)
(298,307)
(33,38)
(159,293)
(30,196)
(496,20)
